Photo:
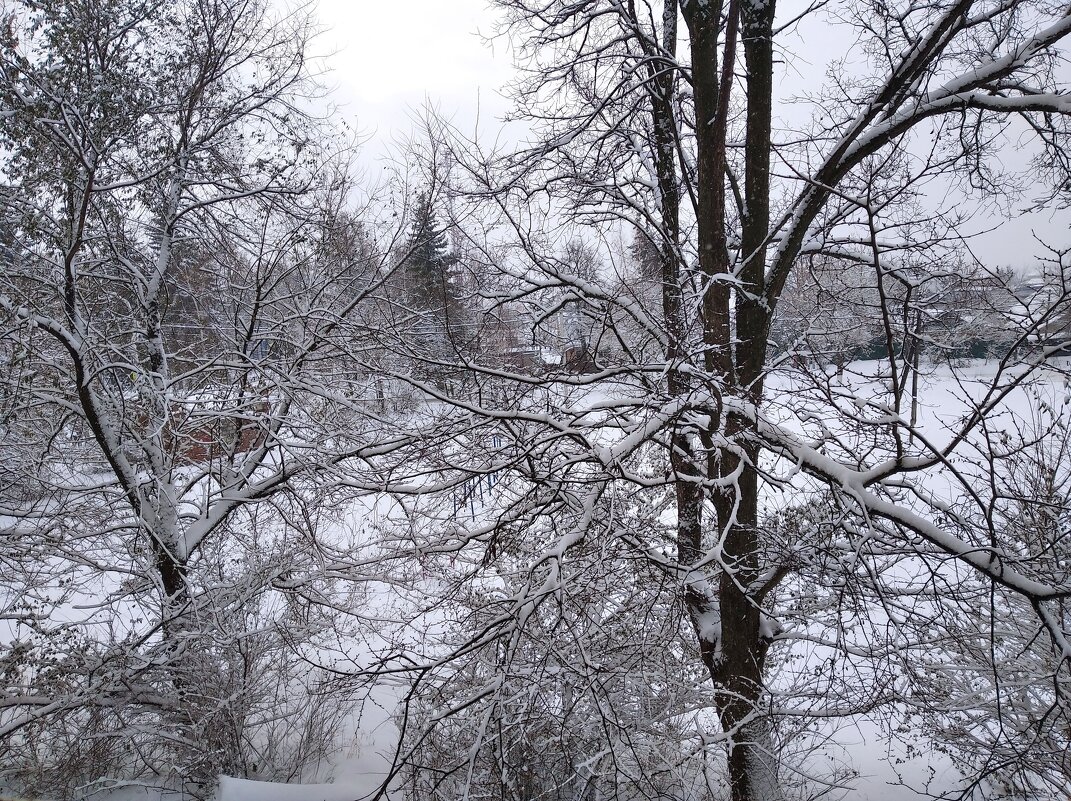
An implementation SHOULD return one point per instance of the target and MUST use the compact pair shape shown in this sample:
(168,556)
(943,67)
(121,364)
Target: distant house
(201,429)
(578,358)
(522,357)
(518,337)
(1044,305)
(206,434)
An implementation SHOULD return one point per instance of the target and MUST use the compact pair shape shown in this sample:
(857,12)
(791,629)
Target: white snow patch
(245,790)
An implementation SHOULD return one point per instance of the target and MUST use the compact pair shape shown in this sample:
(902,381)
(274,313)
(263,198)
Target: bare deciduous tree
(183,294)
(674,131)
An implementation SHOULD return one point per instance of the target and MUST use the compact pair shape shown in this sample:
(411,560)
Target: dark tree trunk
(735,352)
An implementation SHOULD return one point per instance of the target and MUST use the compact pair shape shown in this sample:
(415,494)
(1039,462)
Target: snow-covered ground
(886,771)
(344,789)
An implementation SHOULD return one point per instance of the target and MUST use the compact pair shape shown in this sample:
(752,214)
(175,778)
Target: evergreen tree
(431,284)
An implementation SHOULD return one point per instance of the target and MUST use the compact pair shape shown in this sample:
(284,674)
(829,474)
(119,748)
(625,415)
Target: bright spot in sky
(390,58)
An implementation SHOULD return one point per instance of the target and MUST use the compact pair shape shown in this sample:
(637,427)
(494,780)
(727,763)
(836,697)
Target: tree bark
(734,359)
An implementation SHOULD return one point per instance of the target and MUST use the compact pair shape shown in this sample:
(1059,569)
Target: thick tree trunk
(739,674)
(735,353)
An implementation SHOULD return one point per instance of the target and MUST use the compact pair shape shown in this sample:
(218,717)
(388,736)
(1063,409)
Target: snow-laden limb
(857,484)
(539,687)
(988,85)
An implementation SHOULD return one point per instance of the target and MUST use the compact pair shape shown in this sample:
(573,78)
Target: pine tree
(431,285)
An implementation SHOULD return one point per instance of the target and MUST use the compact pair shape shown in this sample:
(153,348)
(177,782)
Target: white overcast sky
(388,58)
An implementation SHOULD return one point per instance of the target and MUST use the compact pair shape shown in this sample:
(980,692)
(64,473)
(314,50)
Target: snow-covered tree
(432,287)
(664,117)
(179,309)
